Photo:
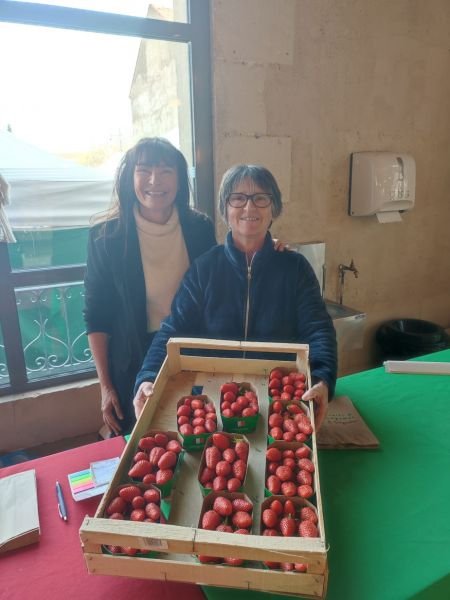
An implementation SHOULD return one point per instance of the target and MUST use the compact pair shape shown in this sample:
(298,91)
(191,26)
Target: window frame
(196,34)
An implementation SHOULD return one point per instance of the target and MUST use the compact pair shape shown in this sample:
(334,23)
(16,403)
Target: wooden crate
(180,541)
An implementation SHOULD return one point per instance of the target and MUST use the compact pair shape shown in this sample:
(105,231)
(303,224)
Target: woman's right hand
(145,390)
(111,409)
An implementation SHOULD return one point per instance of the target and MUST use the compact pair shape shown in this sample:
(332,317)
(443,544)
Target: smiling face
(249,224)
(156,188)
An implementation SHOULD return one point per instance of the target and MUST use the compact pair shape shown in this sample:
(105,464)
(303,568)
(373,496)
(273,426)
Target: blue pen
(61,504)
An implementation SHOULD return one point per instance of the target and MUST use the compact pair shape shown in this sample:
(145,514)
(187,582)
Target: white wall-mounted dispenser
(381,184)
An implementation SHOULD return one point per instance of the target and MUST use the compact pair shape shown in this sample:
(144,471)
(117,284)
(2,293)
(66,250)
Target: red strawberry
(308,529)
(115,549)
(270,518)
(239,469)
(305,491)
(300,567)
(289,508)
(287,566)
(149,478)
(212,457)
(186,429)
(271,565)
(208,559)
(307,514)
(211,520)
(302,452)
(174,446)
(306,464)
(224,468)
(287,526)
(140,469)
(146,443)
(117,516)
(161,439)
(219,483)
(304,477)
(129,492)
(152,495)
(140,456)
(137,515)
(277,507)
(117,505)
(207,475)
(221,441)
(138,502)
(153,511)
(168,460)
(242,504)
(233,562)
(229,455)
(225,528)
(233,484)
(284,473)
(130,551)
(288,488)
(273,484)
(223,506)
(242,520)
(163,476)
(155,455)
(273,454)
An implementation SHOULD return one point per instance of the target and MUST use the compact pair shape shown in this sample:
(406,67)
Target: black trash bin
(401,339)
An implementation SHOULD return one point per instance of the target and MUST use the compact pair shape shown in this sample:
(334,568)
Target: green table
(387,511)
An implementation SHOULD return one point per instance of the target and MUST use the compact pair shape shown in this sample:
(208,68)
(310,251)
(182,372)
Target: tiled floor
(19,456)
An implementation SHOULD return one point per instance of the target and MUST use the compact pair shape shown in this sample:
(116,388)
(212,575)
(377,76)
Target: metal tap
(342,270)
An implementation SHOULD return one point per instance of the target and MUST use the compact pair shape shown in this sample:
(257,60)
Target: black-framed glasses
(260,199)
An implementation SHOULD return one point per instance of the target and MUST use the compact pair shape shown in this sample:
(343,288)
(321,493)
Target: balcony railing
(52,329)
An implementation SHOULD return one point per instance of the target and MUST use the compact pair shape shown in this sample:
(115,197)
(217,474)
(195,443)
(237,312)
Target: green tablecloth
(387,512)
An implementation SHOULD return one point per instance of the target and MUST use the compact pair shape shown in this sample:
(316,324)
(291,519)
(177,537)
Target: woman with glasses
(246,290)
(137,257)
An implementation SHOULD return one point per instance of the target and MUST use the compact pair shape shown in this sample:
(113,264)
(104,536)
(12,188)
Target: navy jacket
(284,305)
(115,299)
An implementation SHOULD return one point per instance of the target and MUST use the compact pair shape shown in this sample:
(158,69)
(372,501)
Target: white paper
(103,470)
(392,216)
(417,367)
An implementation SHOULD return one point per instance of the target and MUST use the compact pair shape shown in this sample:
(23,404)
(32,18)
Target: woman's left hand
(319,394)
(279,245)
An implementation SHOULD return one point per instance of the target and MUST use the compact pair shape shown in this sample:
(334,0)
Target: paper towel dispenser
(381,184)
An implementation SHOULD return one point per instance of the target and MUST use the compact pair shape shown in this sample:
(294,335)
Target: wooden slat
(204,574)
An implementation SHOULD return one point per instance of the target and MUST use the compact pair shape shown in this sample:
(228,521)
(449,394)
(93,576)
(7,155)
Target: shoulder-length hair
(154,151)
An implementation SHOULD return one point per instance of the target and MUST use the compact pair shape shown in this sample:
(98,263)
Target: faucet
(342,270)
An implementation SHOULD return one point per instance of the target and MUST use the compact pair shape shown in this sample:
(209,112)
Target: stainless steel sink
(340,311)
(349,324)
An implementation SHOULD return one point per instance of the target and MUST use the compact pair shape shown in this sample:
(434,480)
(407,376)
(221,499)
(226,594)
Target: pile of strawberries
(195,415)
(289,471)
(134,503)
(237,400)
(288,421)
(224,463)
(156,460)
(284,517)
(286,386)
(228,514)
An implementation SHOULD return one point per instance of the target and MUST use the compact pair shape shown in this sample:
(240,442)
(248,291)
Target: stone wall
(299,85)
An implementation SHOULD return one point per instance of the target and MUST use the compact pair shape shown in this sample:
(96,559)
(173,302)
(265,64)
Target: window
(80,87)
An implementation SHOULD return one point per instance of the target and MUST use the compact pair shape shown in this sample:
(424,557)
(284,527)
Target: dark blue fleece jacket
(284,305)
